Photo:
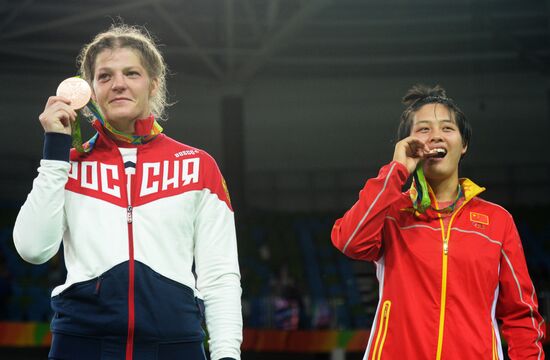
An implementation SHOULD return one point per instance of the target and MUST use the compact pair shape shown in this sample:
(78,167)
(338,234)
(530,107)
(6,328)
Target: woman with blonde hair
(146,222)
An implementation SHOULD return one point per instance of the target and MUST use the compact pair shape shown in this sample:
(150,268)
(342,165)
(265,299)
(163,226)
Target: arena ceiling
(240,40)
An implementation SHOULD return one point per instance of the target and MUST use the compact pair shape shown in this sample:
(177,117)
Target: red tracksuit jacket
(445,286)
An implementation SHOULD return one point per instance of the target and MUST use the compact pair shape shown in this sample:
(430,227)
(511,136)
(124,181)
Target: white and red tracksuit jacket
(446,287)
(130,242)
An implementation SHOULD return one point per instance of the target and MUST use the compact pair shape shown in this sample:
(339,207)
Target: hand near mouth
(410,151)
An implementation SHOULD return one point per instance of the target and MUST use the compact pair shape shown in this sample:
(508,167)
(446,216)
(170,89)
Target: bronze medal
(75,89)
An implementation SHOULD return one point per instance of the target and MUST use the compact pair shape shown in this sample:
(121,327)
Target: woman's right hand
(410,151)
(57,115)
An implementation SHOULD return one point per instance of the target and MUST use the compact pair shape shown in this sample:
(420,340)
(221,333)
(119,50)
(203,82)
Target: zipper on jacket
(131,264)
(445,237)
(131,309)
(382,331)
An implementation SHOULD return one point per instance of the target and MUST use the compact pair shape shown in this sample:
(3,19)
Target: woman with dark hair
(146,223)
(450,265)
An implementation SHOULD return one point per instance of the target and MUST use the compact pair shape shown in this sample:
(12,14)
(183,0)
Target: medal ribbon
(420,195)
(117,135)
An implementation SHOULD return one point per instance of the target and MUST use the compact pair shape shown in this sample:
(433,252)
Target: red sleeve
(359,233)
(214,180)
(517,307)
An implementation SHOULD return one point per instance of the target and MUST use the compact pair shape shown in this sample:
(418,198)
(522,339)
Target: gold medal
(75,89)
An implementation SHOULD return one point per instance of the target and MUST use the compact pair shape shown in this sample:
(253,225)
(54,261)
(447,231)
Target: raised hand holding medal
(79,92)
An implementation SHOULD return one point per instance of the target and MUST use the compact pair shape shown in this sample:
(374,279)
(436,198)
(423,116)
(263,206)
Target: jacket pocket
(383,323)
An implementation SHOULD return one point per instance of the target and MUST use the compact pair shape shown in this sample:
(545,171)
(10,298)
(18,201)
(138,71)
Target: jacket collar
(469,189)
